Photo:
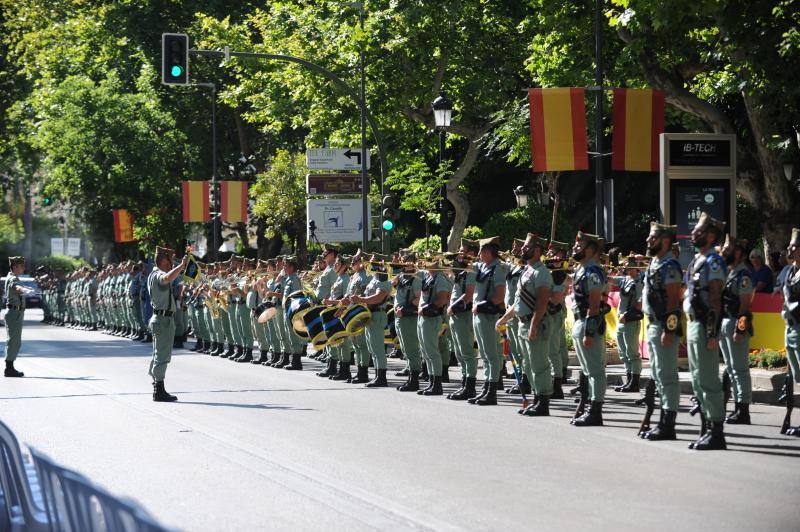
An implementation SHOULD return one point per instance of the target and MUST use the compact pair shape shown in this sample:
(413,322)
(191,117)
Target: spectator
(784,266)
(762,275)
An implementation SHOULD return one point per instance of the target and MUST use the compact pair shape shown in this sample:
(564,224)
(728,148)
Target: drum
(267,315)
(390,332)
(355,319)
(334,328)
(296,310)
(312,322)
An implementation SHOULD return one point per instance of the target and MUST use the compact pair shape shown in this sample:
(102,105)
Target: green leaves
(280,192)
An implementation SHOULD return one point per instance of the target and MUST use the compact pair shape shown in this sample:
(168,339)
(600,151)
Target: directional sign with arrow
(335,159)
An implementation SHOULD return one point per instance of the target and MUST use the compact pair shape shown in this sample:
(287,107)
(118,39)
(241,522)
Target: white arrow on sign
(335,159)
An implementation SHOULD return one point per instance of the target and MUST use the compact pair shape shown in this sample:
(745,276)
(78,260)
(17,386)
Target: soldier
(531,298)
(459,313)
(661,303)
(375,296)
(435,292)
(487,307)
(737,327)
(629,324)
(276,291)
(15,293)
(325,282)
(559,356)
(588,331)
(791,314)
(515,269)
(343,352)
(702,303)
(356,286)
(162,323)
(294,345)
(408,285)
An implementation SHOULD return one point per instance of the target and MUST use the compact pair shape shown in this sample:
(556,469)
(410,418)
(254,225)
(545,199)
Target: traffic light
(389,213)
(175,59)
(47,201)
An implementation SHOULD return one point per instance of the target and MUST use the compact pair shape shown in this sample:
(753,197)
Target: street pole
(215,221)
(443,206)
(598,121)
(364,176)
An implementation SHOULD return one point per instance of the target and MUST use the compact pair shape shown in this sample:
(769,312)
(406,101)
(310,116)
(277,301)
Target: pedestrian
(15,293)
(629,323)
(791,314)
(763,278)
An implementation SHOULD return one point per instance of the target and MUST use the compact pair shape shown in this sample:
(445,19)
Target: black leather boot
(11,371)
(517,389)
(713,440)
(435,389)
(177,343)
(237,354)
(263,356)
(283,361)
(632,386)
(206,347)
(296,363)
(624,386)
(228,352)
(467,392)
(247,357)
(412,384)
(344,372)
(273,359)
(484,390)
(558,391)
(490,398)
(445,375)
(565,377)
(740,415)
(593,417)
(160,394)
(362,375)
(460,390)
(329,371)
(424,376)
(405,373)
(216,349)
(379,381)
(540,408)
(197,346)
(665,430)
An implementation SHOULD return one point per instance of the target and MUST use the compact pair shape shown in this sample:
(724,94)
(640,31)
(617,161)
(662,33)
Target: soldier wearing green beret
(791,314)
(15,292)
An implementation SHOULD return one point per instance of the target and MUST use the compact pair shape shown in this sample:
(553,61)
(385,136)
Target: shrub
(60,262)
(518,222)
(767,358)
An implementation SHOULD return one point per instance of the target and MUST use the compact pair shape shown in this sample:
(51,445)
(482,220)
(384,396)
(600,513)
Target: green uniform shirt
(702,271)
(13,296)
(375,285)
(160,291)
(487,280)
(532,278)
(325,282)
(339,286)
(358,282)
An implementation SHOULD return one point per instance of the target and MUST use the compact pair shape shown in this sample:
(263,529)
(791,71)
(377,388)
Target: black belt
(166,313)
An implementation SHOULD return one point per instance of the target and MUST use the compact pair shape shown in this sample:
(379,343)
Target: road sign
(319,184)
(335,159)
(335,220)
(56,246)
(74,247)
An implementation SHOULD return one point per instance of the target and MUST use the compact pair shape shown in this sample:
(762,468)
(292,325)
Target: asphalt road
(255,448)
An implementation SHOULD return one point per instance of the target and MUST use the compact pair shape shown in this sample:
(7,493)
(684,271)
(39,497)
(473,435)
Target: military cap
(535,240)
(670,230)
(165,251)
(795,241)
(554,244)
(632,262)
(588,238)
(359,256)
(291,259)
(492,241)
(708,222)
(470,245)
(735,242)
(330,248)
(320,258)
(13,261)
(344,259)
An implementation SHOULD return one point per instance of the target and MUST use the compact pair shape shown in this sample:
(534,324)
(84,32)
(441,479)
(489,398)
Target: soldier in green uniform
(629,324)
(435,292)
(791,314)
(588,331)
(343,353)
(487,307)
(459,313)
(283,355)
(15,292)
(533,323)
(408,285)
(294,344)
(515,269)
(357,285)
(559,356)
(375,297)
(322,291)
(661,303)
(162,323)
(702,304)
(737,327)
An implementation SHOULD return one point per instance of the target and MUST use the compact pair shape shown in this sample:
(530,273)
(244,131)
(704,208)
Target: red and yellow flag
(558,129)
(234,201)
(195,201)
(123,225)
(638,121)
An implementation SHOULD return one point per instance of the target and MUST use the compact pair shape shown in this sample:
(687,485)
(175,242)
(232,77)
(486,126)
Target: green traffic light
(388,225)
(176,71)
(46,201)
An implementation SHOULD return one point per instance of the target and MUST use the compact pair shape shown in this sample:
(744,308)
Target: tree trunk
(457,197)
(552,179)
(27,222)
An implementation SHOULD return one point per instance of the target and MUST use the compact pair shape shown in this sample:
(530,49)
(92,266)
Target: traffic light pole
(365,184)
(443,207)
(599,189)
(216,230)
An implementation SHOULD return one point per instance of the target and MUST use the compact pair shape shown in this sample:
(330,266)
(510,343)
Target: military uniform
(323,290)
(462,333)
(791,314)
(406,297)
(343,353)
(294,344)
(629,326)
(375,327)
(515,270)
(162,326)
(429,325)
(15,315)
(356,286)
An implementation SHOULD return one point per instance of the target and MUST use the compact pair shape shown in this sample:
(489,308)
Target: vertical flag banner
(638,120)
(195,201)
(558,129)
(234,201)
(123,225)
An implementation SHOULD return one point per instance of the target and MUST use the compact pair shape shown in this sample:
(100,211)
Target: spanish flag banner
(558,129)
(195,201)
(123,225)
(638,121)
(234,201)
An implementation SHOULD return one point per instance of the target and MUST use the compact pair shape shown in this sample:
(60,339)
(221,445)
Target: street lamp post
(521,196)
(442,115)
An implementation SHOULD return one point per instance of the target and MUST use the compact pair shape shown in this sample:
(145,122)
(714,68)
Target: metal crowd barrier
(44,496)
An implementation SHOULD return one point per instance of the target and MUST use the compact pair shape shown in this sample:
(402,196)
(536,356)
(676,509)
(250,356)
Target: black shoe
(228,352)
(622,387)
(263,356)
(405,373)
(273,359)
(631,386)
(195,348)
(329,371)
(540,408)
(283,361)
(160,394)
(565,377)
(216,349)
(343,374)
(362,376)
(247,357)
(207,347)
(592,418)
(517,389)
(463,383)
(713,439)
(412,384)
(435,388)
(379,381)
(296,363)
(665,430)
(490,397)
(445,375)
(237,354)
(740,415)
(484,390)
(558,391)
(467,392)
(11,371)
